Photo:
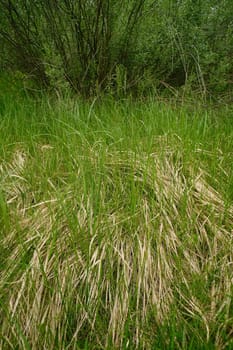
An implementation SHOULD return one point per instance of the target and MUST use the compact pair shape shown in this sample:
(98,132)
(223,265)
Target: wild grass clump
(108,243)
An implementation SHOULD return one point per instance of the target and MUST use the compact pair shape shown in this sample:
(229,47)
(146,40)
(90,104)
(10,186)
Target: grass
(116,225)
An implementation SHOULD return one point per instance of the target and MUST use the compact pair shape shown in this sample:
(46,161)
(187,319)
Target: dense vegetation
(134,46)
(116,225)
(116,185)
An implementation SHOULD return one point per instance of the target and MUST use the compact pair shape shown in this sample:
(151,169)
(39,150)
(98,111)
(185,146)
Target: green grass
(116,225)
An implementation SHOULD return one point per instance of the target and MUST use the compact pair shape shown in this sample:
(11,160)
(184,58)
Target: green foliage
(119,46)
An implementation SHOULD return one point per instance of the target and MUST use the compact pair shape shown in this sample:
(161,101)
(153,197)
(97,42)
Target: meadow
(116,224)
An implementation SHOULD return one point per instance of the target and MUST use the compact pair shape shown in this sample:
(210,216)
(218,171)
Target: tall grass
(116,225)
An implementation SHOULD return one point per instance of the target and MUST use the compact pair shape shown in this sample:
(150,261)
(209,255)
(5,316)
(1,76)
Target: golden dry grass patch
(126,261)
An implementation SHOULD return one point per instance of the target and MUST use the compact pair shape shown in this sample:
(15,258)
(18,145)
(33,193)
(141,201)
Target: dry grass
(110,257)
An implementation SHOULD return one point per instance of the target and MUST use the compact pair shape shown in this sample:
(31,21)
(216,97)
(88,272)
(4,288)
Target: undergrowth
(116,225)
